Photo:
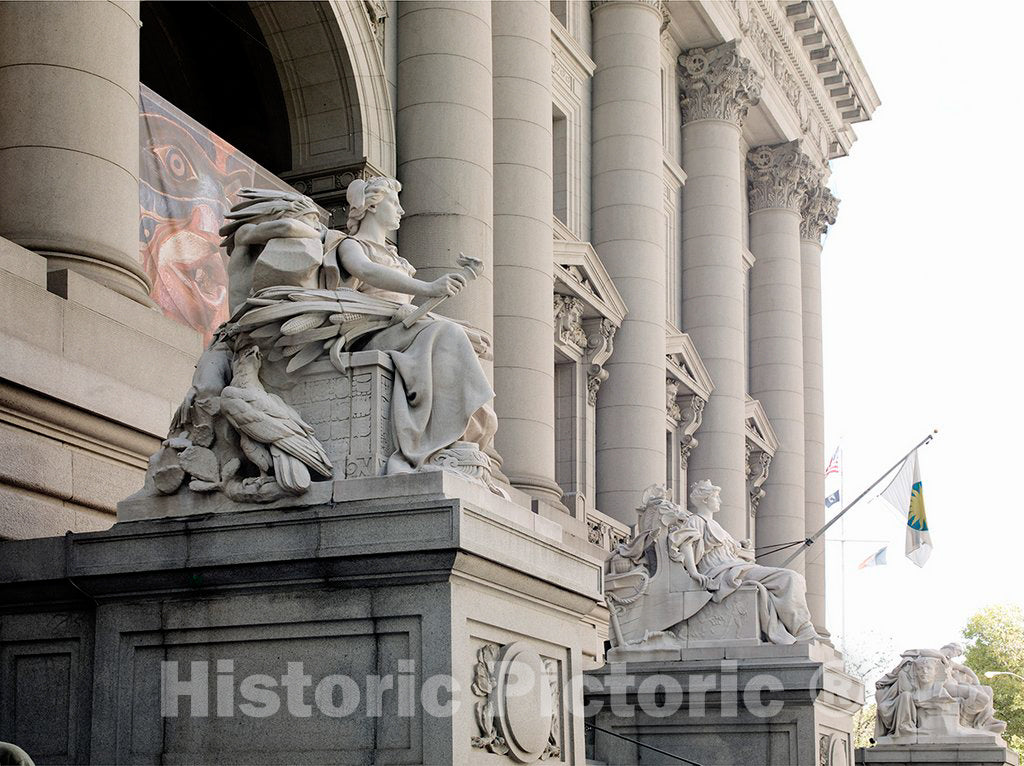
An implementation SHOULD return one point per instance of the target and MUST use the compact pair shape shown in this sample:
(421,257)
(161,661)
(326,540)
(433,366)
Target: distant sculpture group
(301,295)
(929,694)
(681,563)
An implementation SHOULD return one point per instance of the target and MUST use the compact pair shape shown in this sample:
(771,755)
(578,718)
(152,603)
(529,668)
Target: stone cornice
(806,72)
(823,35)
(779,176)
(818,212)
(717,84)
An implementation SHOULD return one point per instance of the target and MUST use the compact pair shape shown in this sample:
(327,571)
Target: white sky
(923,285)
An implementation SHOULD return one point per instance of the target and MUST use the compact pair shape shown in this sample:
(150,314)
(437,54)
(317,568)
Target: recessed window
(560,165)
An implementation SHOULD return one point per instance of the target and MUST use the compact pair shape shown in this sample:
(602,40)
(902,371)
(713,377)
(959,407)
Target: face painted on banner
(189,180)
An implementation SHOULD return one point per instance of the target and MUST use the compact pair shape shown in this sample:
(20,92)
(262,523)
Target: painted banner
(190,178)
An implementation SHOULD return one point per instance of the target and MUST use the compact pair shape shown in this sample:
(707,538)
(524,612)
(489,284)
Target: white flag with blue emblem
(905,494)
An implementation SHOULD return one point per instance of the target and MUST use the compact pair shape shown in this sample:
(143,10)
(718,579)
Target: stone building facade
(646,182)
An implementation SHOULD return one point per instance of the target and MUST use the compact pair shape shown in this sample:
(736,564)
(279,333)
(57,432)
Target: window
(560,165)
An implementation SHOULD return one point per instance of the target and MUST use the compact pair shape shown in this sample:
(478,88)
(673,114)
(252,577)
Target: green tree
(996,636)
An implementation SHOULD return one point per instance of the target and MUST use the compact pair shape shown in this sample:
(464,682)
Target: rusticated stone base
(418,588)
(939,754)
(751,705)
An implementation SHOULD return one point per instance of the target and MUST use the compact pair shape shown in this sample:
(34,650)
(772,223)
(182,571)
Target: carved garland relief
(518,713)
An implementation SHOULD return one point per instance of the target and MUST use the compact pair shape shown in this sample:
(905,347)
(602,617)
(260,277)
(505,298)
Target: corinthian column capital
(717,84)
(819,211)
(779,176)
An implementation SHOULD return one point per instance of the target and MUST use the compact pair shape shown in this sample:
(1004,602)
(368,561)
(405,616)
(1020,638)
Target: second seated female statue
(681,562)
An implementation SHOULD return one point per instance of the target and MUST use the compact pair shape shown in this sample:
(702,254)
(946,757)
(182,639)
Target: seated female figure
(720,564)
(442,397)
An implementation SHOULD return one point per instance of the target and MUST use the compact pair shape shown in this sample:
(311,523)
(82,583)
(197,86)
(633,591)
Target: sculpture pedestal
(766,705)
(335,629)
(938,754)
(350,413)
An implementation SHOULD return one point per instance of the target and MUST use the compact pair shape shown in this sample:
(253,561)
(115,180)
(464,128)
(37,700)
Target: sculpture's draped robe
(894,698)
(441,394)
(976,710)
(899,694)
(781,598)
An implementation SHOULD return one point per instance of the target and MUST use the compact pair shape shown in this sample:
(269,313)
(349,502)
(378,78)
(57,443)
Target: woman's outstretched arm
(358,265)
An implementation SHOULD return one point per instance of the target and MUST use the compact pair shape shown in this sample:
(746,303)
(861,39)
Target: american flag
(833,464)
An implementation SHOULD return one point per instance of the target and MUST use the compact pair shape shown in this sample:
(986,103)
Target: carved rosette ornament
(517,714)
(779,176)
(717,84)
(819,211)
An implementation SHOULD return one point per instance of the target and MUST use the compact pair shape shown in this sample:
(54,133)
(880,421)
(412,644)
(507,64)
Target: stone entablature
(824,37)
(810,72)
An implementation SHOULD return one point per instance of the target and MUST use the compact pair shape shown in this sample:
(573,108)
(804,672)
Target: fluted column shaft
(713,110)
(777,179)
(445,146)
(818,211)
(628,234)
(69,137)
(523,253)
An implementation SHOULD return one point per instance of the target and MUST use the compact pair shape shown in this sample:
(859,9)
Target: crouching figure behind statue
(305,302)
(683,581)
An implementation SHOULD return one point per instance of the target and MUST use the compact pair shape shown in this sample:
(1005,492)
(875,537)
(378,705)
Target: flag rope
(766,550)
(899,463)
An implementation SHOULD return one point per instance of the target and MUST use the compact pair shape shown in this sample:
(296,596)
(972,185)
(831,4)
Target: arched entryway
(239,94)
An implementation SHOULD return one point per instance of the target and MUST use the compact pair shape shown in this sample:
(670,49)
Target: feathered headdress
(258,205)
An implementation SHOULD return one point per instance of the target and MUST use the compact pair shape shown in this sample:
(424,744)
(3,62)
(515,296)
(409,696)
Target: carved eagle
(272,434)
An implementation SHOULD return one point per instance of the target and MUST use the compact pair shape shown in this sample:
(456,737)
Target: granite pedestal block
(189,640)
(733,706)
(938,754)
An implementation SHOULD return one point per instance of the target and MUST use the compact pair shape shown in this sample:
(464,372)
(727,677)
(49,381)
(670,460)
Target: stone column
(718,86)
(445,146)
(69,137)
(524,361)
(778,180)
(819,212)
(628,234)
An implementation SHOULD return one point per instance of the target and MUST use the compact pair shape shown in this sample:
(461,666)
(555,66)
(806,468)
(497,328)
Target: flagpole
(814,538)
(842,549)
